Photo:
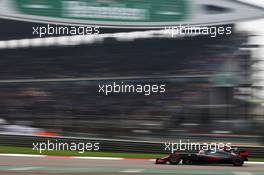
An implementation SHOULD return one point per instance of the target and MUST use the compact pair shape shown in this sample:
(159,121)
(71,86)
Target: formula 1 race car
(206,157)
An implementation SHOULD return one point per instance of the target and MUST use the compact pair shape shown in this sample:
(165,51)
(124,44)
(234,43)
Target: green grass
(254,159)
(23,150)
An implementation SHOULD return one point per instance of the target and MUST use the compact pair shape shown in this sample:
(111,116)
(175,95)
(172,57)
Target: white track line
(23,169)
(132,171)
(97,158)
(259,163)
(22,155)
(242,173)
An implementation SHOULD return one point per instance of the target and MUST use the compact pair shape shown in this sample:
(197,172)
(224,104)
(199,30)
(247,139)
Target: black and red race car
(206,157)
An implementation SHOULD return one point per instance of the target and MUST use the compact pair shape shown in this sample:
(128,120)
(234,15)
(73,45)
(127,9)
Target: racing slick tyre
(174,160)
(238,161)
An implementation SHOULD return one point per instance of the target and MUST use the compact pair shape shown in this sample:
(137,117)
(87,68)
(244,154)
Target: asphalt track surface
(62,166)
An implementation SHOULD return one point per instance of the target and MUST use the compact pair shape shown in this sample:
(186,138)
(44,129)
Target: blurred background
(214,86)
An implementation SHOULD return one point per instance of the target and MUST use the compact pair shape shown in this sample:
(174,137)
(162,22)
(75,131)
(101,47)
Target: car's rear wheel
(174,160)
(238,161)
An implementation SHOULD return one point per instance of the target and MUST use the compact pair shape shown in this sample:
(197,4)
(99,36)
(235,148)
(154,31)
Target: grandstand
(56,87)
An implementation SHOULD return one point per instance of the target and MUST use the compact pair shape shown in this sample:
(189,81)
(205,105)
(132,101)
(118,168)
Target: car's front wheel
(186,162)
(238,161)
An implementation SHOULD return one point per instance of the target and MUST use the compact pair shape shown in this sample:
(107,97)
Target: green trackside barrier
(110,11)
